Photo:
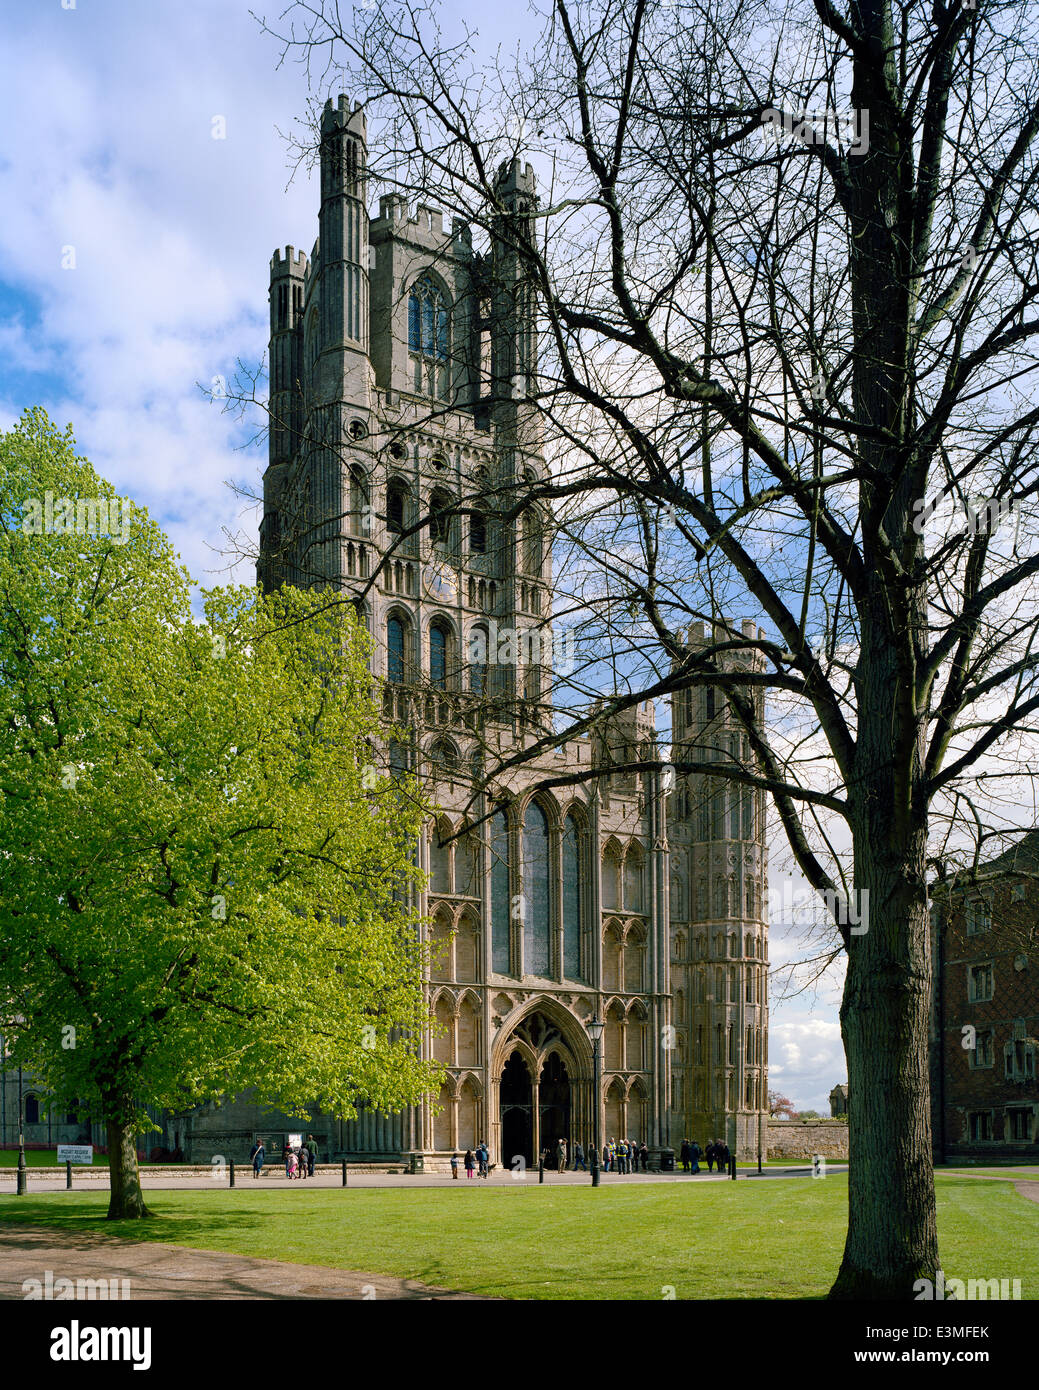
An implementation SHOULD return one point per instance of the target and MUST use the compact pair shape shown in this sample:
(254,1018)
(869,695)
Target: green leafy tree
(205,878)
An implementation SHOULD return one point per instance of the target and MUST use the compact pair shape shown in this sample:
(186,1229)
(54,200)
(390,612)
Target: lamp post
(21,1141)
(595,1031)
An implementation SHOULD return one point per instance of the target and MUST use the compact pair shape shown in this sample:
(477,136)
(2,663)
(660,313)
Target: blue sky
(134,253)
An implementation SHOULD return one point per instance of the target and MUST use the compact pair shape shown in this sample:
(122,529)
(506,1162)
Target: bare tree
(785,266)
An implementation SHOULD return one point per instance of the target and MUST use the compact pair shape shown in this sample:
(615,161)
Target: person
(470,1163)
(694,1156)
(311,1155)
(291,1165)
(683,1155)
(256,1153)
(709,1154)
(561,1156)
(644,1155)
(579,1158)
(286,1154)
(722,1154)
(301,1162)
(454,1167)
(483,1156)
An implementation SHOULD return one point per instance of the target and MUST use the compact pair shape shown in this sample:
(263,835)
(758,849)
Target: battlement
(342,117)
(515,177)
(704,634)
(294,263)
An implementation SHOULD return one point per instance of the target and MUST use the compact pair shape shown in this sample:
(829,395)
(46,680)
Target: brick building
(985,1009)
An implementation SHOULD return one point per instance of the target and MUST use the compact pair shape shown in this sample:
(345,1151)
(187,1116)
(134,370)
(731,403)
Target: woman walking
(470,1163)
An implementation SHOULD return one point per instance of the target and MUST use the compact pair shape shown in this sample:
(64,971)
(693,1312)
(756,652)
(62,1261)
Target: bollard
(230,1169)
(595,1170)
(68,1173)
(541,1170)
(344,1172)
(732,1167)
(22,1175)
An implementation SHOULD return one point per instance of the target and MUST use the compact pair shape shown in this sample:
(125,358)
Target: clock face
(440,582)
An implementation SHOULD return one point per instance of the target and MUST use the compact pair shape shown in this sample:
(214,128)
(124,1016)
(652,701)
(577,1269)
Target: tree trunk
(892,1230)
(127,1200)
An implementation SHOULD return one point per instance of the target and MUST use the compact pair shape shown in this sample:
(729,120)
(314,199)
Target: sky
(144,186)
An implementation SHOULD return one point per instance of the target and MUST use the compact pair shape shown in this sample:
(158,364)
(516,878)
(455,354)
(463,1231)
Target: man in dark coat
(694,1156)
(311,1155)
(710,1153)
(683,1155)
(579,1158)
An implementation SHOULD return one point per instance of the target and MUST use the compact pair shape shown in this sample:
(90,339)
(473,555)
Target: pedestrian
(644,1155)
(579,1158)
(311,1155)
(454,1167)
(709,1154)
(301,1162)
(722,1154)
(483,1156)
(286,1154)
(694,1156)
(561,1155)
(291,1165)
(257,1153)
(470,1163)
(683,1155)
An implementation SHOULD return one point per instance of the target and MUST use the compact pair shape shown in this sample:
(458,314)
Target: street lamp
(21,1141)
(595,1031)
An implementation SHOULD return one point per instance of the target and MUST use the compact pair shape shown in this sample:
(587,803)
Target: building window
(979,983)
(536,953)
(979,916)
(395,651)
(438,643)
(427,319)
(428,331)
(477,533)
(500,952)
(1020,1124)
(571,901)
(709,702)
(1019,1061)
(32,1110)
(983,1053)
(398,758)
(396,508)
(981,1125)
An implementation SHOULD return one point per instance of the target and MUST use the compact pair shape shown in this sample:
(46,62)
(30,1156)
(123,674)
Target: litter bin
(667,1160)
(418,1163)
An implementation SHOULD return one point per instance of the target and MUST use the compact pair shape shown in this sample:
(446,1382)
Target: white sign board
(295,1140)
(75,1153)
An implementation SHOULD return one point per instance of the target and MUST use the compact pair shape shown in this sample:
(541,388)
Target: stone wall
(799,1139)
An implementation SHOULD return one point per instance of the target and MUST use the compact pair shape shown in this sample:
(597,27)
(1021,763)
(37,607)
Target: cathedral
(401,452)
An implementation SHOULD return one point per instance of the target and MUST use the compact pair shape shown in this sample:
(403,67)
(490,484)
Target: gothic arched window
(396,508)
(500,953)
(477,533)
(478,661)
(536,953)
(571,900)
(428,331)
(395,637)
(438,642)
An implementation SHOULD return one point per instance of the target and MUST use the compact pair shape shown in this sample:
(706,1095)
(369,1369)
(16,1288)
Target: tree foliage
(205,879)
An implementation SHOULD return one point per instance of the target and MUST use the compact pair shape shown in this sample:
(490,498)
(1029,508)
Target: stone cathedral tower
(399,362)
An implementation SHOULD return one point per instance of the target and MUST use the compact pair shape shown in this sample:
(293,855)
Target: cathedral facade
(400,456)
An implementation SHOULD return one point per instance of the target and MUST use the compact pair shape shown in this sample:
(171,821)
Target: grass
(40,1158)
(778,1239)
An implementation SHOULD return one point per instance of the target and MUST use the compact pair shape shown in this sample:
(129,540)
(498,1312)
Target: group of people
(473,1159)
(299,1160)
(619,1156)
(689,1156)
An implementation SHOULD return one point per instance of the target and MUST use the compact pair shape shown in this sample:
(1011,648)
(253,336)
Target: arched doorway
(516,1118)
(554,1106)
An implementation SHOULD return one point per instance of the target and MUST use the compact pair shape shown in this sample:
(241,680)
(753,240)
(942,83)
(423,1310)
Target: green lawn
(775,1239)
(39,1158)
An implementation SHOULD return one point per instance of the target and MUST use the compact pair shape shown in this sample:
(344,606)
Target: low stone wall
(803,1138)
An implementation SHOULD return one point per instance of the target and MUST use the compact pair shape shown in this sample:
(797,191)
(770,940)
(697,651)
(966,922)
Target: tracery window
(428,333)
